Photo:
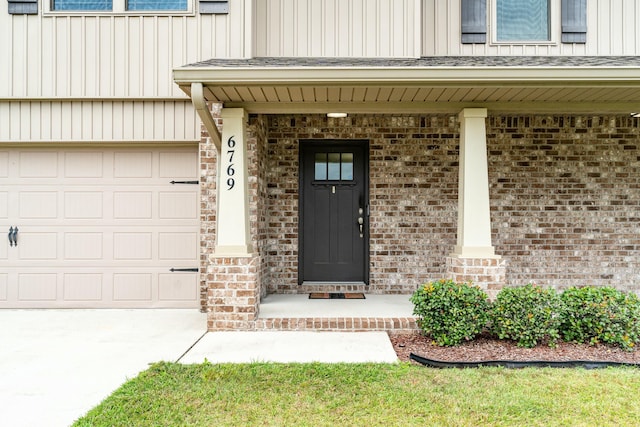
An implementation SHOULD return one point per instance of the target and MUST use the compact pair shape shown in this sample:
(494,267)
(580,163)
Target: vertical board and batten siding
(613,28)
(337,28)
(98,121)
(97,56)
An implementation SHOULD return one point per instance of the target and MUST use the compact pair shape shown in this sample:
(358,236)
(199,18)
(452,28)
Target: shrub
(526,314)
(449,312)
(600,315)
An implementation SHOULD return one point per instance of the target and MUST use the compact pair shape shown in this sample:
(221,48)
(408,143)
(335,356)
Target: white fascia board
(517,76)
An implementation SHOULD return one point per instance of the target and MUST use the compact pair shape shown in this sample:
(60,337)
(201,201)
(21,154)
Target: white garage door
(99,228)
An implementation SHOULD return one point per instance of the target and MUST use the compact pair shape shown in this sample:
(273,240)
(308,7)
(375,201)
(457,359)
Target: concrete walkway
(55,365)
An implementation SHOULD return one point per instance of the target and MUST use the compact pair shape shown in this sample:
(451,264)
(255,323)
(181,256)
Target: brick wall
(258,198)
(413,194)
(565,198)
(208,197)
(565,193)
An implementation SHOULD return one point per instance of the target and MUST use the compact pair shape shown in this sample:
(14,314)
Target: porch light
(635,115)
(337,115)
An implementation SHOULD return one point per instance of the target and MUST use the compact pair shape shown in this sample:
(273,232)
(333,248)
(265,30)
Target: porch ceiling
(501,84)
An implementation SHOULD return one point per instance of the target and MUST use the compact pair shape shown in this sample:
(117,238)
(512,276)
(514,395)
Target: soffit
(272,85)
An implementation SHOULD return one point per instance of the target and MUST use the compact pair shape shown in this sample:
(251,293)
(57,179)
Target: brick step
(338,324)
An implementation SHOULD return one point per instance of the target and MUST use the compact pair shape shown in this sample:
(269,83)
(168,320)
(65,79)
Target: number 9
(230,183)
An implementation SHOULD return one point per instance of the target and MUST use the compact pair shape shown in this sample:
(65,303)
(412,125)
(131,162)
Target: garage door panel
(4,284)
(178,246)
(132,287)
(178,165)
(4,164)
(132,246)
(38,164)
(83,246)
(132,205)
(132,165)
(4,205)
(37,287)
(83,205)
(99,227)
(38,204)
(178,286)
(83,165)
(83,287)
(37,245)
(178,205)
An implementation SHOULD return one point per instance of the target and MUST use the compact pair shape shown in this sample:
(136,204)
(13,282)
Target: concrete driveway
(55,365)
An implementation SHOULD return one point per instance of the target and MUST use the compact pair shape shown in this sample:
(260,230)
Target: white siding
(337,28)
(109,55)
(613,29)
(98,121)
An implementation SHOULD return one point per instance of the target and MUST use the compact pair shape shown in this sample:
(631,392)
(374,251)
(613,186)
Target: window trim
(554,26)
(119,9)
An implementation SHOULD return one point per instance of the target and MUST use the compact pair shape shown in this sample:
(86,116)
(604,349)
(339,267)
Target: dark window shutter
(474,21)
(23,7)
(574,21)
(213,6)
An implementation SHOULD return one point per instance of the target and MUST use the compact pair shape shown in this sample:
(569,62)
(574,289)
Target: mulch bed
(486,348)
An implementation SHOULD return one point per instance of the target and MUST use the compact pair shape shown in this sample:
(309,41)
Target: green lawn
(344,395)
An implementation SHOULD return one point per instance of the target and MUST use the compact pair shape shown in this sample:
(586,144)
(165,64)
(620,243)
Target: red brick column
(232,293)
(487,273)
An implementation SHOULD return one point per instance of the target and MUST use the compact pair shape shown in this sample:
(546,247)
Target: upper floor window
(119,5)
(82,5)
(157,5)
(522,20)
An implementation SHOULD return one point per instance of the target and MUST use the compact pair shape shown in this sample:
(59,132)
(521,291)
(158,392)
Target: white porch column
(233,235)
(474,223)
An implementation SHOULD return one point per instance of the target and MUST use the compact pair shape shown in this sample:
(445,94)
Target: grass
(263,394)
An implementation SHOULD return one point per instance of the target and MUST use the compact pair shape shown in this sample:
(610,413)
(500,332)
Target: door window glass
(333,167)
(321,167)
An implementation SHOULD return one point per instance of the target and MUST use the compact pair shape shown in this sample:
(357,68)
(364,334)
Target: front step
(338,324)
(309,287)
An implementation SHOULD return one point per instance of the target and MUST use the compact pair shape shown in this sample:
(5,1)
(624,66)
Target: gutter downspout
(197,98)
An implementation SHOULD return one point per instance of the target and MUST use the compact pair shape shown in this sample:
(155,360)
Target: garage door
(99,228)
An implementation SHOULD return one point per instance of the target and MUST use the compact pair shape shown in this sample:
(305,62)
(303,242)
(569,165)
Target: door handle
(360,223)
(13,236)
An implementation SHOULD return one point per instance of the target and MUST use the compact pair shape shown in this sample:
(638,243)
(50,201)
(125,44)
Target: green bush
(449,312)
(526,314)
(600,315)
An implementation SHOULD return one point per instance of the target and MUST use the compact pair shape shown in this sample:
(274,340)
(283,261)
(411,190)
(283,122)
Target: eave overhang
(501,84)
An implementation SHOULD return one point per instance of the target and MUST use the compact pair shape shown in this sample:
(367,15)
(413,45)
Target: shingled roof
(431,61)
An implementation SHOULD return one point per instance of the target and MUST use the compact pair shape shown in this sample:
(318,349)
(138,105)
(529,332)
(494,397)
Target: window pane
(523,20)
(321,166)
(157,5)
(82,5)
(347,166)
(334,166)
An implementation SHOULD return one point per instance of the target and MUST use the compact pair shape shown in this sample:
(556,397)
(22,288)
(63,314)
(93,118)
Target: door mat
(336,295)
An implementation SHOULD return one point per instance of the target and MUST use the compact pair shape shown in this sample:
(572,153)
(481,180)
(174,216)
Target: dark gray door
(334,211)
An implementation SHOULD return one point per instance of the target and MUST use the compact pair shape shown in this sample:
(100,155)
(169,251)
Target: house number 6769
(231,144)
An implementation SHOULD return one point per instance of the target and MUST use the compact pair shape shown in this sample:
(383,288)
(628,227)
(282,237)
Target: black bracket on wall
(194,270)
(185,182)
